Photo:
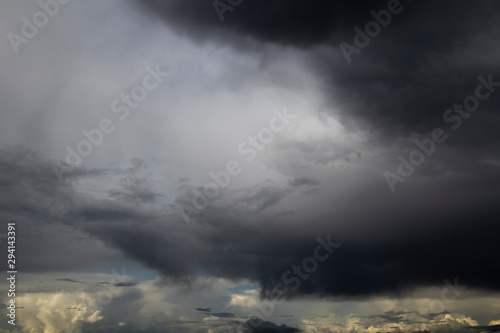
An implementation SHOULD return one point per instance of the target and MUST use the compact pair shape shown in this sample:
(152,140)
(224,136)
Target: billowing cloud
(229,239)
(321,151)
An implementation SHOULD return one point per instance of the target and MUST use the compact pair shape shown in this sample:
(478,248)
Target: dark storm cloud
(389,243)
(29,184)
(424,61)
(286,22)
(385,250)
(32,196)
(203,309)
(125,284)
(70,280)
(390,316)
(492,328)
(399,86)
(270,327)
(223,314)
(208,311)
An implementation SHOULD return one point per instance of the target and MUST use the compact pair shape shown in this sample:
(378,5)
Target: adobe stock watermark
(372,29)
(40,19)
(427,147)
(248,148)
(290,280)
(449,294)
(121,107)
(221,7)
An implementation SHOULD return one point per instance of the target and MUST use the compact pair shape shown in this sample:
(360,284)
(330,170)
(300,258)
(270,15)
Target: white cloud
(56,312)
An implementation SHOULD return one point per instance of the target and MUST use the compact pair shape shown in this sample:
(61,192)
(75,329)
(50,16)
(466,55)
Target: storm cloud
(384,249)
(382,180)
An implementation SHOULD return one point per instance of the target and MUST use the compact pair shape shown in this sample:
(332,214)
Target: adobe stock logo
(221,7)
(290,281)
(372,29)
(428,146)
(449,294)
(40,19)
(250,147)
(120,106)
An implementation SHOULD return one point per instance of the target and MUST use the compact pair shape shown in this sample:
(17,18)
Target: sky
(250,166)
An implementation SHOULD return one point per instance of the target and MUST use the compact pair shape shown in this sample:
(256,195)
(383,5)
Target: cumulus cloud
(400,321)
(58,312)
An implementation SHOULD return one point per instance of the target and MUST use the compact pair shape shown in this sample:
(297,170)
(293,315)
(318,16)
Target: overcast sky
(191,166)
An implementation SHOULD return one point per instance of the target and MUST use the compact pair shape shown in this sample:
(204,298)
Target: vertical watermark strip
(11,272)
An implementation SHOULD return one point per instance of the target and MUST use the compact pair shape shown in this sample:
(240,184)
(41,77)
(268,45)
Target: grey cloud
(135,190)
(284,22)
(203,309)
(241,237)
(492,328)
(125,284)
(134,187)
(267,327)
(393,90)
(303,181)
(401,83)
(70,280)
(222,314)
